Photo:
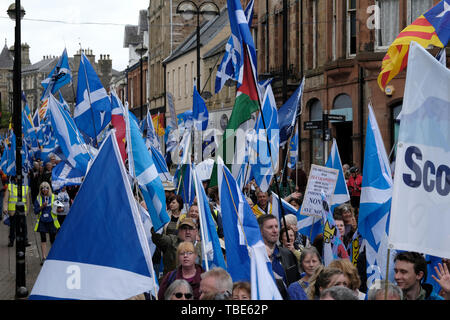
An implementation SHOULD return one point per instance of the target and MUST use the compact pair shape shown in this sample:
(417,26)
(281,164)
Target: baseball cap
(188,222)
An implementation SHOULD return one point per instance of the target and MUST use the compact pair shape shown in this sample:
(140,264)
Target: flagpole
(268,146)
(202,227)
(387,274)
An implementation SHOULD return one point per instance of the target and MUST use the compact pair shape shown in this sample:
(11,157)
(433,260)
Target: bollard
(21,288)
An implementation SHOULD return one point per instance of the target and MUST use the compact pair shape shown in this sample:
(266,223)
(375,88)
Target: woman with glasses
(47,220)
(186,269)
(179,290)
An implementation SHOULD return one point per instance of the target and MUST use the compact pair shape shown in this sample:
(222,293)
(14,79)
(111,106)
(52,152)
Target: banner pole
(387,274)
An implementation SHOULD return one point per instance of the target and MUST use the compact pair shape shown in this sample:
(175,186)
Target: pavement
(33,256)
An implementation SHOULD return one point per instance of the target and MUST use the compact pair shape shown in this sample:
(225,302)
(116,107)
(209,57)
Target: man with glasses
(9,208)
(168,243)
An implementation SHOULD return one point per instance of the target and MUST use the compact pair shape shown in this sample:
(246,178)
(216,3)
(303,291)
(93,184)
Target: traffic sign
(311,125)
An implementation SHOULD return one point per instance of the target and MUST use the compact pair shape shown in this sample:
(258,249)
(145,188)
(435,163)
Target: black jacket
(290,266)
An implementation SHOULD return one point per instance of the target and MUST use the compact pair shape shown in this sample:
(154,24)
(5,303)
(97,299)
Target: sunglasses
(178,295)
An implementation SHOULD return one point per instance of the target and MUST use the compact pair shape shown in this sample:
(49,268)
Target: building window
(418,7)
(179,82)
(186,81)
(351,27)
(395,127)
(317,146)
(388,23)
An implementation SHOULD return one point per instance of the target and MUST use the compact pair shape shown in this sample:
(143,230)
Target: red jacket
(354,185)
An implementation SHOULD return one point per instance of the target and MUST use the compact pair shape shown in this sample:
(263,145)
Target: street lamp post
(141,50)
(187,10)
(16,12)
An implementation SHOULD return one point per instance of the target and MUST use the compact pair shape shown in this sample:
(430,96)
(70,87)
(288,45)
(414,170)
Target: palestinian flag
(246,103)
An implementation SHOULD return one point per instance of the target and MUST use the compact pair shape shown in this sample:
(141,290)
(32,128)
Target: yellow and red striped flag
(431,28)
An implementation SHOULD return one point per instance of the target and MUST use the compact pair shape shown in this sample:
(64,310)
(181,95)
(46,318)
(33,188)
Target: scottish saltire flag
(49,146)
(64,103)
(247,258)
(118,121)
(63,174)
(230,65)
(340,194)
(293,151)
(114,260)
(151,138)
(430,29)
(375,204)
(242,39)
(147,176)
(287,207)
(211,250)
(333,248)
(93,110)
(185,186)
(420,206)
(69,138)
(209,145)
(199,112)
(288,113)
(58,77)
(266,129)
(11,156)
(160,164)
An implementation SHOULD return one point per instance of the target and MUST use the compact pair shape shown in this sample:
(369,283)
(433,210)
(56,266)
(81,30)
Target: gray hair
(174,286)
(224,283)
(380,286)
(339,293)
(291,219)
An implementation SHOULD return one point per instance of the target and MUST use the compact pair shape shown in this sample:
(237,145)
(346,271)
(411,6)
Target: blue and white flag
(114,260)
(58,77)
(63,174)
(340,194)
(69,138)
(199,112)
(161,165)
(288,208)
(247,257)
(293,151)
(288,113)
(420,199)
(266,160)
(333,247)
(151,138)
(375,204)
(242,39)
(212,252)
(93,110)
(146,174)
(231,61)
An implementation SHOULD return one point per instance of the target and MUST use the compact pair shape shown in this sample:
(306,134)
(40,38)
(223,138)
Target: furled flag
(293,151)
(151,138)
(267,130)
(158,124)
(69,138)
(420,198)
(114,260)
(58,77)
(199,112)
(229,67)
(247,257)
(118,122)
(160,164)
(333,247)
(63,174)
(431,28)
(213,256)
(340,194)
(209,145)
(143,168)
(375,204)
(185,185)
(93,110)
(288,113)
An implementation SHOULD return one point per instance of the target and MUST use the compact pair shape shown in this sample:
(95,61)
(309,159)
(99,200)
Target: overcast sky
(96,24)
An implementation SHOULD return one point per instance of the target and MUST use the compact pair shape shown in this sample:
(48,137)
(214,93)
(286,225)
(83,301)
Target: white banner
(320,179)
(420,212)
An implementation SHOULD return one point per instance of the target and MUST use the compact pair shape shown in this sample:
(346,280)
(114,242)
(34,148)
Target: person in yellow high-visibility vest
(47,220)
(9,207)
